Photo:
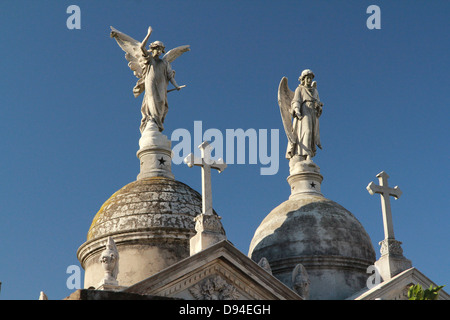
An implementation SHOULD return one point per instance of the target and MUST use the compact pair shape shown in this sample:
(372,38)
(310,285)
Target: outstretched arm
(175,84)
(144,42)
(171,74)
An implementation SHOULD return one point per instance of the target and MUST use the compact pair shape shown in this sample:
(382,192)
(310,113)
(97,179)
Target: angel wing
(174,53)
(132,49)
(285,96)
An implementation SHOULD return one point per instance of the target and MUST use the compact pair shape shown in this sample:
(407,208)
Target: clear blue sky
(69,124)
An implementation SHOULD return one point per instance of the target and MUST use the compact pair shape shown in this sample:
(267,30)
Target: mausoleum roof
(311,226)
(152,204)
(323,237)
(151,220)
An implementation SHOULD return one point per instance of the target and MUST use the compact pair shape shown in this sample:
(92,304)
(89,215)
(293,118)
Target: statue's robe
(156,75)
(307,103)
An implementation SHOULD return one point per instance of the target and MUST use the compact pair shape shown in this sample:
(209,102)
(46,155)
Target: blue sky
(69,124)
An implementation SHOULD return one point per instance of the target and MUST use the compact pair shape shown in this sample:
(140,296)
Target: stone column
(304,178)
(155,153)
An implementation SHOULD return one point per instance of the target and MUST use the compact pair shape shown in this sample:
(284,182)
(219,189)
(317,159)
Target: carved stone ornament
(391,246)
(300,281)
(110,262)
(214,288)
(211,223)
(264,263)
(403,295)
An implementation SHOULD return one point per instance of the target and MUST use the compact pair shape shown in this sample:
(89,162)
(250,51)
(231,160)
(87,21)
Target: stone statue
(300,281)
(305,108)
(110,262)
(154,74)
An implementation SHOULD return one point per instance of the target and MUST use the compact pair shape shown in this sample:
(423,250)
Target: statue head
(157,48)
(306,77)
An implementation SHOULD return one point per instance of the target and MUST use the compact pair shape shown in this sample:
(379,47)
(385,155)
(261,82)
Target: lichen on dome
(148,204)
(311,226)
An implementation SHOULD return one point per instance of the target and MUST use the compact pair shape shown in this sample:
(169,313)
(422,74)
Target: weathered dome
(151,221)
(321,235)
(153,204)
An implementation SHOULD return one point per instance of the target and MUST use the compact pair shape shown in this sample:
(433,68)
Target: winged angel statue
(305,108)
(154,74)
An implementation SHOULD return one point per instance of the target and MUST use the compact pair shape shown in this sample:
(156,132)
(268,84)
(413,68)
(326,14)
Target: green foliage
(416,292)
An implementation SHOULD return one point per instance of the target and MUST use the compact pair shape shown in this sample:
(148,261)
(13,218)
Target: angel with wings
(300,112)
(154,74)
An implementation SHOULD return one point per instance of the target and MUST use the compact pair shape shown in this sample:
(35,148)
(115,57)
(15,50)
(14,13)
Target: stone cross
(207,164)
(385,191)
(391,261)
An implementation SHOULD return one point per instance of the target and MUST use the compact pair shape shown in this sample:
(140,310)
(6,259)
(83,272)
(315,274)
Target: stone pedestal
(110,287)
(155,153)
(304,178)
(392,261)
(109,281)
(209,231)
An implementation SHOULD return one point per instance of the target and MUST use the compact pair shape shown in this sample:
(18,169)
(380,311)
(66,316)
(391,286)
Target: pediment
(397,287)
(220,272)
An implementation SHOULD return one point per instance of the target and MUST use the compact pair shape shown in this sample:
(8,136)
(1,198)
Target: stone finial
(43,296)
(264,263)
(300,281)
(110,262)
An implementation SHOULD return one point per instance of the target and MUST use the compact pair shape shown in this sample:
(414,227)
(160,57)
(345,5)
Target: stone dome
(151,221)
(321,235)
(153,204)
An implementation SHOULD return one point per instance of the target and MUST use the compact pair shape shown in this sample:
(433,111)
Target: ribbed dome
(151,204)
(323,236)
(151,221)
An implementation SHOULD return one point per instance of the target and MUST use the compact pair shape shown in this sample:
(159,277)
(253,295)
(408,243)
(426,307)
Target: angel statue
(305,108)
(154,74)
